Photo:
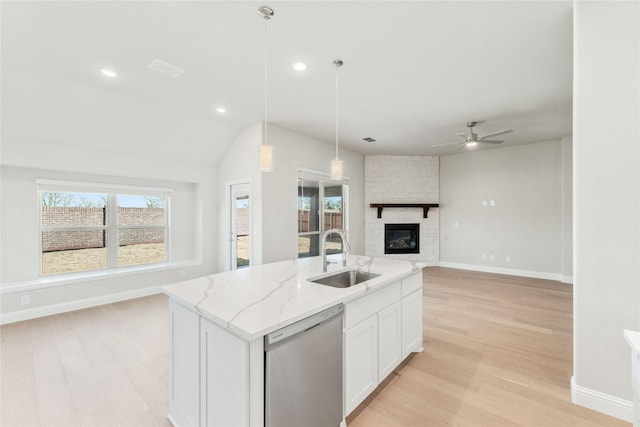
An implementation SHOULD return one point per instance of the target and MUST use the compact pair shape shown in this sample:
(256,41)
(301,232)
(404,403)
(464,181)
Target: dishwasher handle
(301,326)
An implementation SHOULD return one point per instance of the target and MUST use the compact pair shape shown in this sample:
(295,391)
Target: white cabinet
(381,330)
(217,378)
(389,339)
(225,377)
(633,339)
(412,323)
(361,362)
(184,401)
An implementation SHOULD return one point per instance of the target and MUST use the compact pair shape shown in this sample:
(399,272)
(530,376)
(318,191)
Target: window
(321,206)
(97,230)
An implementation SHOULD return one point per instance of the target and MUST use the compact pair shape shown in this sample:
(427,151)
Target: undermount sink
(344,279)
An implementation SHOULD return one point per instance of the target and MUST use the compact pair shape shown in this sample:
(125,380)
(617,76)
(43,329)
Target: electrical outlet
(456,224)
(492,203)
(507,258)
(183,274)
(484,203)
(492,257)
(484,257)
(25,299)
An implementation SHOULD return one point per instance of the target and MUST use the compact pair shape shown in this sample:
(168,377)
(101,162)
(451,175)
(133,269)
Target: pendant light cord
(265,127)
(337,140)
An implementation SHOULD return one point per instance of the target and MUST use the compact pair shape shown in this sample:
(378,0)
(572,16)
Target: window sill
(73,278)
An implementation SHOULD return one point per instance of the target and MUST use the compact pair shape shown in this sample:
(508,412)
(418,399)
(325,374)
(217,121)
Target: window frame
(111,227)
(323,181)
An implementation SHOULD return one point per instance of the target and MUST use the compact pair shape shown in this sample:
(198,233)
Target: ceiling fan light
(336,169)
(472,143)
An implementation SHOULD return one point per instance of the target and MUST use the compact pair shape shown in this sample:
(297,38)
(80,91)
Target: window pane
(141,210)
(333,244)
(141,245)
(308,206)
(73,250)
(243,249)
(308,246)
(73,209)
(333,207)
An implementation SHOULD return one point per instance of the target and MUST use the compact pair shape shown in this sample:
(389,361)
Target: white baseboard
(508,271)
(34,313)
(601,402)
(567,279)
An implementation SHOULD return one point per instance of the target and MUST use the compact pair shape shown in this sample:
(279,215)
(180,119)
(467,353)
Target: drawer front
(411,284)
(358,310)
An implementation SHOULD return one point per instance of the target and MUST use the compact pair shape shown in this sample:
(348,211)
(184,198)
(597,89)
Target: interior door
(240,226)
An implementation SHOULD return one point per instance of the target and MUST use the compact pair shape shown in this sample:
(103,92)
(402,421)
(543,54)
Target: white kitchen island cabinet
(390,331)
(218,325)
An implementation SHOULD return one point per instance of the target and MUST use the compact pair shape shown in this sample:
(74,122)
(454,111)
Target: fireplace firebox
(402,238)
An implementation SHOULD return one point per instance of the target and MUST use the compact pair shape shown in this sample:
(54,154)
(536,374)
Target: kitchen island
(218,324)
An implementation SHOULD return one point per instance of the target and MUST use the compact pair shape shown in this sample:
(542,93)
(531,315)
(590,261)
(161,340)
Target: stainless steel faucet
(323,244)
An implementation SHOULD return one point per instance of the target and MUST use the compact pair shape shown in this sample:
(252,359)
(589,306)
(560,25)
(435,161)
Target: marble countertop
(633,338)
(253,302)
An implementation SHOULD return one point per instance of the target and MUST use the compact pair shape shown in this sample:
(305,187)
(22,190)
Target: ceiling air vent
(165,68)
(369,139)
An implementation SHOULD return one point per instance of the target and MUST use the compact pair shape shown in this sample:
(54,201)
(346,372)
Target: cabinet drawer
(357,311)
(411,284)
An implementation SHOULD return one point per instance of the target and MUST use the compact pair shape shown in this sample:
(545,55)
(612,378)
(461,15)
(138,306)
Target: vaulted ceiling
(414,73)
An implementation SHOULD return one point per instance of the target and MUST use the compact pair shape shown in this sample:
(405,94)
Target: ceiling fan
(472,138)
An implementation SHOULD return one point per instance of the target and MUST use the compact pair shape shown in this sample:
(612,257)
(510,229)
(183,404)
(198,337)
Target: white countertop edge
(633,339)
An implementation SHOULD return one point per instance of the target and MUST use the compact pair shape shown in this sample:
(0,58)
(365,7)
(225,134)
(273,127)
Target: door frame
(242,187)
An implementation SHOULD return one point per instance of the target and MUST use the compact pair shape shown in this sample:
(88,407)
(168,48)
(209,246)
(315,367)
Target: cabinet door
(389,340)
(184,401)
(412,323)
(225,377)
(361,362)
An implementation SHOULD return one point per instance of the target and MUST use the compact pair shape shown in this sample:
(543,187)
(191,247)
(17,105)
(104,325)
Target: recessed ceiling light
(299,66)
(108,72)
(221,110)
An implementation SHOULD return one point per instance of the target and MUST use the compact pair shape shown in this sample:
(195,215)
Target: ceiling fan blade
(500,132)
(461,134)
(462,146)
(448,143)
(489,141)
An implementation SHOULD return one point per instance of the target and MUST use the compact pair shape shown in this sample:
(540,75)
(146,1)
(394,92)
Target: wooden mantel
(425,207)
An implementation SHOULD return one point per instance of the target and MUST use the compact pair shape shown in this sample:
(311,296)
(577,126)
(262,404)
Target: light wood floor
(497,353)
(104,366)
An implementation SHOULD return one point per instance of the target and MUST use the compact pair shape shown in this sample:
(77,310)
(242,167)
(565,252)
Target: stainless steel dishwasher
(303,372)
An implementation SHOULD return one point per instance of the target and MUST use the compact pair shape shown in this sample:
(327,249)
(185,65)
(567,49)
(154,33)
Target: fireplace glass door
(402,238)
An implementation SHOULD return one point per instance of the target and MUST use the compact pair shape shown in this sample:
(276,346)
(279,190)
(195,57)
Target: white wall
(525,183)
(23,161)
(402,179)
(606,152)
(274,194)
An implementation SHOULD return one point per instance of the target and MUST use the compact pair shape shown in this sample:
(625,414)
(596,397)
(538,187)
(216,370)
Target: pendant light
(336,164)
(266,150)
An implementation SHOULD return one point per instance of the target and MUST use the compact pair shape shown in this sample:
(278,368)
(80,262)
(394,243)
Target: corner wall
(606,152)
(402,179)
(274,194)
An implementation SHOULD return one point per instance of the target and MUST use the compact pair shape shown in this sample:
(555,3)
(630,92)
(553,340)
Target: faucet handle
(346,245)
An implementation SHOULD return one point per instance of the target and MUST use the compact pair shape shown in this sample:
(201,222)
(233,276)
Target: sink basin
(344,279)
